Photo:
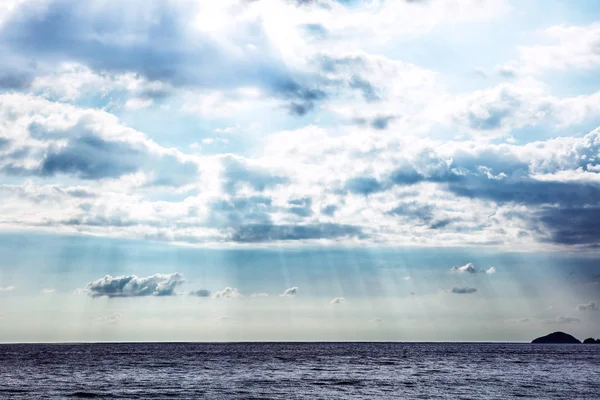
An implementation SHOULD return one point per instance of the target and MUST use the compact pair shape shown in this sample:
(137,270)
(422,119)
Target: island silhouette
(563,338)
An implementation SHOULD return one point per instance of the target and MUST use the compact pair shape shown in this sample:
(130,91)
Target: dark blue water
(300,371)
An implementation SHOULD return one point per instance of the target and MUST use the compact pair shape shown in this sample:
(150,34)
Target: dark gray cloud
(87,155)
(364,185)
(132,286)
(572,226)
(381,122)
(329,209)
(241,210)
(413,211)
(463,290)
(591,306)
(200,293)
(4,142)
(302,99)
(301,207)
(268,232)
(91,157)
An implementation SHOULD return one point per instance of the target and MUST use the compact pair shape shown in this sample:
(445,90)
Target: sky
(302,170)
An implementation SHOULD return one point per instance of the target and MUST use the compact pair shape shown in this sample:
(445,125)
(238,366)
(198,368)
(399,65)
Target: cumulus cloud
(410,161)
(591,306)
(7,289)
(227,293)
(200,293)
(58,139)
(291,292)
(470,269)
(570,47)
(132,286)
(338,300)
(463,290)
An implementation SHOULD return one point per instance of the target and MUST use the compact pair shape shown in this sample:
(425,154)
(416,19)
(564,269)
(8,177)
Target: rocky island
(591,341)
(557,338)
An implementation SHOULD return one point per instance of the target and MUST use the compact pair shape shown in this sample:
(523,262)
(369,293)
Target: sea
(299,371)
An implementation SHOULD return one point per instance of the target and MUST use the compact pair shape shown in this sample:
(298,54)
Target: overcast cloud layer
(259,122)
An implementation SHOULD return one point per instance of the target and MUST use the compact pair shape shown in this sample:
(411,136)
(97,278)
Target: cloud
(465,268)
(470,269)
(591,306)
(238,172)
(562,320)
(210,53)
(48,291)
(7,289)
(291,292)
(111,319)
(132,286)
(200,293)
(338,300)
(463,290)
(227,293)
(571,47)
(59,139)
(266,232)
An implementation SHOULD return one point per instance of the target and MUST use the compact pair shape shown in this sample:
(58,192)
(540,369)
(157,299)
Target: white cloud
(291,292)
(48,291)
(571,47)
(470,269)
(338,300)
(132,286)
(7,289)
(467,268)
(227,293)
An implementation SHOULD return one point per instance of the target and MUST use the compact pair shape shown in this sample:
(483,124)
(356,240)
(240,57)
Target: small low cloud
(470,269)
(7,289)
(338,300)
(112,319)
(291,292)
(261,294)
(591,306)
(563,320)
(463,290)
(47,291)
(200,293)
(132,286)
(227,293)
